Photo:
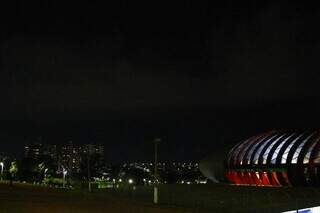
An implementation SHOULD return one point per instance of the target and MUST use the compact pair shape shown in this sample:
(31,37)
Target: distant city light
(69,158)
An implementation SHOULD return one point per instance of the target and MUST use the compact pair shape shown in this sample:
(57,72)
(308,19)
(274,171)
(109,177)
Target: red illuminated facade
(276,158)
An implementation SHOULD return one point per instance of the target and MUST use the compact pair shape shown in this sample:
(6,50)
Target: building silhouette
(33,151)
(71,157)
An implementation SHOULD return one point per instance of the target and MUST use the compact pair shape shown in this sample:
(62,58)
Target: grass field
(228,198)
(173,198)
(25,198)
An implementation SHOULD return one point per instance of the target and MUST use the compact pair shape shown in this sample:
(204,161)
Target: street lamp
(2,165)
(64,172)
(45,173)
(155,185)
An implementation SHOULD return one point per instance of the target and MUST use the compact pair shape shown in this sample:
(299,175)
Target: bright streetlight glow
(64,176)
(130,181)
(2,165)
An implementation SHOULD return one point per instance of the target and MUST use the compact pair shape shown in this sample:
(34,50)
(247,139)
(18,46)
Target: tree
(39,170)
(13,171)
(94,165)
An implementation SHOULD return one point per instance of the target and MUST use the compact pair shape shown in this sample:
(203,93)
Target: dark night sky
(201,75)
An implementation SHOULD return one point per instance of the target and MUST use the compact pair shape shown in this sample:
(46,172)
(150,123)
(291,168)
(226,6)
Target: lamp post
(155,185)
(64,171)
(89,173)
(2,165)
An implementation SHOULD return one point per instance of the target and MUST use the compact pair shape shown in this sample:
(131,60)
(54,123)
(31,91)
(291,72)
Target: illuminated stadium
(276,158)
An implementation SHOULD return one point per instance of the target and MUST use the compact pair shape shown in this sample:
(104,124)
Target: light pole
(155,185)
(89,174)
(2,165)
(64,171)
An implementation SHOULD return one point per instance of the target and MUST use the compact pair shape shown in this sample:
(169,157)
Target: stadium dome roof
(276,158)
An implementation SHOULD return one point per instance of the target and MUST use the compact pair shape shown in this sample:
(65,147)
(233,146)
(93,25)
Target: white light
(130,181)
(258,176)
(311,210)
(2,165)
(120,180)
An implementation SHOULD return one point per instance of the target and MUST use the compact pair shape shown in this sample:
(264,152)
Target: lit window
(230,154)
(317,158)
(286,152)
(266,153)
(255,146)
(306,158)
(243,152)
(298,150)
(237,150)
(276,152)
(257,154)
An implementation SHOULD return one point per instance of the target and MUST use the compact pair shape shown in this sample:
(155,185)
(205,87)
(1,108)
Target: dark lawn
(173,198)
(228,198)
(23,198)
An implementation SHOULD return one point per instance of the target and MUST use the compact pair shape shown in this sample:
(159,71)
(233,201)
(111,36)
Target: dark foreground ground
(25,198)
(173,199)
